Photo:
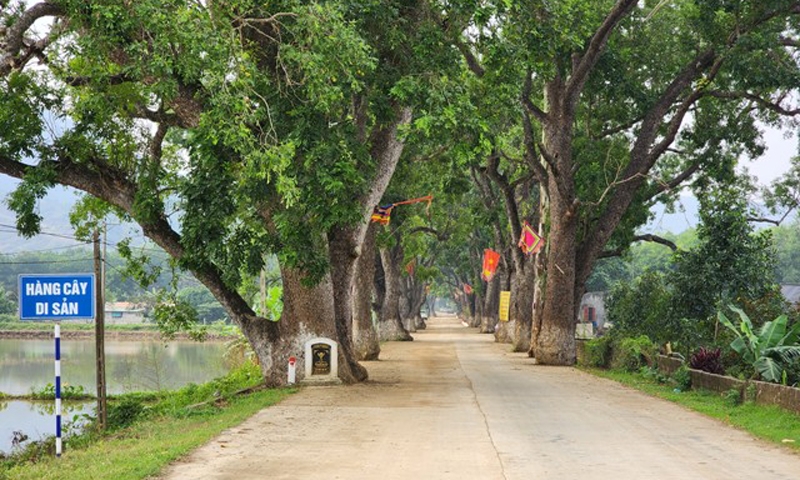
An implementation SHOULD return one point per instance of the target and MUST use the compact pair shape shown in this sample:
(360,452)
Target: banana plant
(773,345)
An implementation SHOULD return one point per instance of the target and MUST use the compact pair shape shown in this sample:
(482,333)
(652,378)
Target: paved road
(455,405)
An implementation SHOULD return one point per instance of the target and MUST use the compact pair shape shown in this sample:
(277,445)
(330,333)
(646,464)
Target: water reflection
(36,419)
(27,365)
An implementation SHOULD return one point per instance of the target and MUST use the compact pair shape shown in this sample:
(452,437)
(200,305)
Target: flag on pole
(382,214)
(410,267)
(530,242)
(490,261)
(468,289)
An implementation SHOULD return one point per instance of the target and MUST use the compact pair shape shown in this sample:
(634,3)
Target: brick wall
(766,393)
(715,383)
(668,365)
(773,394)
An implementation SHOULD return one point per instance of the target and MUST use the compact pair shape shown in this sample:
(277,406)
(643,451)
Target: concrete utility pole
(99,333)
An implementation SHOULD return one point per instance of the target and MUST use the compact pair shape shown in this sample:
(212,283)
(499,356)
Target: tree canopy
(230,130)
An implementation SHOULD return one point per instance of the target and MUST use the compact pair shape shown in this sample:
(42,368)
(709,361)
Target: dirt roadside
(453,404)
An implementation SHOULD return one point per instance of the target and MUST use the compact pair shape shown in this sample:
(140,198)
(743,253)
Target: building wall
(593,309)
(116,317)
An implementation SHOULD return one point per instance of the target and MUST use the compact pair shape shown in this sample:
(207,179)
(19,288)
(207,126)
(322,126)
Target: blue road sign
(56,297)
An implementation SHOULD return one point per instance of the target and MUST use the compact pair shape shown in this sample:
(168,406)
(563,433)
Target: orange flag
(410,267)
(490,261)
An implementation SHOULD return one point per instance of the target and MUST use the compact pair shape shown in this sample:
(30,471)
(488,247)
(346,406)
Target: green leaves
(22,103)
(769,350)
(24,199)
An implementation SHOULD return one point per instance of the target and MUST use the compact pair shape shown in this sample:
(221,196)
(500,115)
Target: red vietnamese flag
(490,261)
(468,289)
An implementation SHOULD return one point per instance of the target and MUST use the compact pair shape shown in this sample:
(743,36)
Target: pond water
(28,364)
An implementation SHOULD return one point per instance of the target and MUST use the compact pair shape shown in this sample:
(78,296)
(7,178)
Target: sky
(775,161)
(781,145)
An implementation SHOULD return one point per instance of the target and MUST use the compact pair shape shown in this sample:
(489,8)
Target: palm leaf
(793,336)
(746,337)
(727,323)
(785,353)
(746,325)
(740,346)
(768,369)
(772,333)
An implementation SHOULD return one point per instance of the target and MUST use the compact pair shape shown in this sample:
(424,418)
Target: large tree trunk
(504,330)
(522,288)
(431,301)
(365,336)
(538,299)
(307,313)
(390,325)
(417,301)
(478,299)
(554,342)
(343,255)
(491,305)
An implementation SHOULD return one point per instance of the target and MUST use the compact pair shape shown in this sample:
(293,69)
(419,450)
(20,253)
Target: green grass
(148,431)
(27,326)
(767,422)
(146,447)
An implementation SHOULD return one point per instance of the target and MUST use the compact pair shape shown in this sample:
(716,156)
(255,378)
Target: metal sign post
(58,388)
(57,297)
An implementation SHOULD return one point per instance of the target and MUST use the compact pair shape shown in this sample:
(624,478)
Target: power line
(68,237)
(22,252)
(13,229)
(40,262)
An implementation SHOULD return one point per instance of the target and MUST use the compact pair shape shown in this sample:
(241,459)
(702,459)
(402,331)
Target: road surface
(455,405)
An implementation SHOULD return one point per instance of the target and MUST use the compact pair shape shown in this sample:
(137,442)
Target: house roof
(791,293)
(123,307)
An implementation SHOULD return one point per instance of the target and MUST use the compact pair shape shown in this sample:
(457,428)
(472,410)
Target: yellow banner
(505,303)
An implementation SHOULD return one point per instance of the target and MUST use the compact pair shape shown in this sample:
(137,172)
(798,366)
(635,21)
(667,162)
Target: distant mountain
(685,216)
(57,233)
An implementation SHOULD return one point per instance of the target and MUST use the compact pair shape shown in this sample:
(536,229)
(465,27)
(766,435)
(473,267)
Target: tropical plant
(767,351)
(631,354)
(707,360)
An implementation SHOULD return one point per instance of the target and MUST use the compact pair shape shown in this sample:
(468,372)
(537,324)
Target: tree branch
(619,128)
(472,62)
(157,142)
(772,221)
(775,106)
(116,79)
(586,62)
(527,104)
(790,42)
(159,116)
(113,187)
(530,151)
(676,181)
(673,127)
(430,231)
(15,37)
(640,238)
(511,207)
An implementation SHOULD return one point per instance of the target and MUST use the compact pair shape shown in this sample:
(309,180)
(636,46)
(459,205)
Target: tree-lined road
(454,404)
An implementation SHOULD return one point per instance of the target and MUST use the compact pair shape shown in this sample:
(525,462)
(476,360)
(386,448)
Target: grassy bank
(31,326)
(767,422)
(148,431)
